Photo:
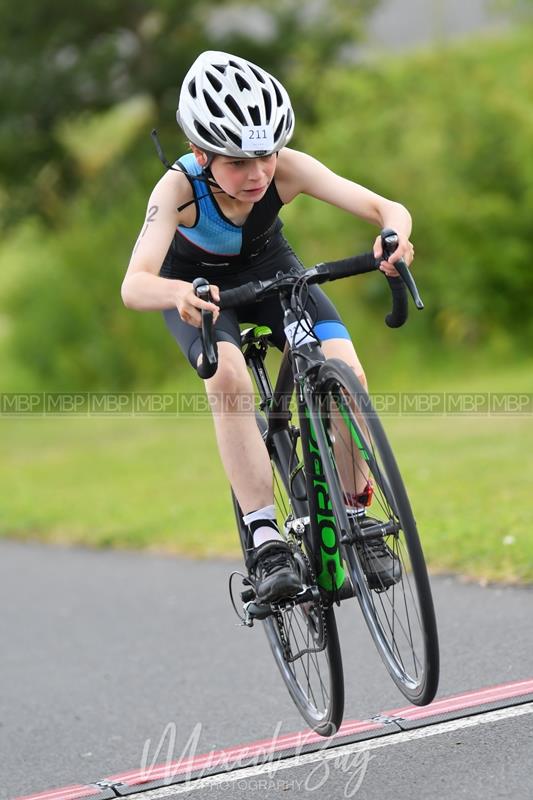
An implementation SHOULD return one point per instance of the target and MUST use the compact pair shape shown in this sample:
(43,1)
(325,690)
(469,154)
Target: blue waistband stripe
(331,329)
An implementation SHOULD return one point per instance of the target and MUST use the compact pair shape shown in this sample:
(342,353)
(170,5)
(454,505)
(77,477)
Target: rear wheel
(303,637)
(383,554)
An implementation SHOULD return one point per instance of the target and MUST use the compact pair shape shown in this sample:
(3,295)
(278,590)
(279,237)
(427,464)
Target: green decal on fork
(332,573)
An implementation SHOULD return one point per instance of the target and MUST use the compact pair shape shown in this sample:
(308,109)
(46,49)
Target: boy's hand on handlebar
(404,250)
(190,306)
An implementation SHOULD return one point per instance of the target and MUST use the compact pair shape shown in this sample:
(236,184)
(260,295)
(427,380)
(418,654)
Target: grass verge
(157,483)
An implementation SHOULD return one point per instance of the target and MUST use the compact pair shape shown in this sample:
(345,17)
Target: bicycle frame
(348,556)
(309,488)
(309,491)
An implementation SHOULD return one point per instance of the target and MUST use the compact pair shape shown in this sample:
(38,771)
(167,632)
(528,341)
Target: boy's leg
(344,349)
(247,465)
(243,453)
(242,449)
(354,470)
(381,565)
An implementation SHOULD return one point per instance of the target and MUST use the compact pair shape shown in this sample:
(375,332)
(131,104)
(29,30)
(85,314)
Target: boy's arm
(299,173)
(142,288)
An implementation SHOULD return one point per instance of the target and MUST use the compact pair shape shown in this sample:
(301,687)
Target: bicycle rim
(396,598)
(314,679)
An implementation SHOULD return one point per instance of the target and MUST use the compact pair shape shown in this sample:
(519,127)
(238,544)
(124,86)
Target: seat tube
(255,361)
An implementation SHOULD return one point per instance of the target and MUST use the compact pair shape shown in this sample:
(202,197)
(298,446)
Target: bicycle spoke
(313,678)
(381,564)
(308,655)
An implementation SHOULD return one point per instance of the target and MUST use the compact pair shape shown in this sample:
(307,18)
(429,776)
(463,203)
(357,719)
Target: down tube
(324,530)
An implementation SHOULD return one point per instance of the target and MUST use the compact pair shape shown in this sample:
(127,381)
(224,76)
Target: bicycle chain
(279,614)
(320,603)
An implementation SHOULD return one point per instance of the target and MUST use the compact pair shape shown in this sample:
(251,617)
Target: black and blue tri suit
(229,255)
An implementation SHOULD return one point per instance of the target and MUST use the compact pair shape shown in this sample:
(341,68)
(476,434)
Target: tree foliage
(59,61)
(447,133)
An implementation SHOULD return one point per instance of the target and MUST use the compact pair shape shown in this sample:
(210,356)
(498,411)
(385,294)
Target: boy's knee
(362,378)
(230,379)
(359,373)
(345,351)
(232,374)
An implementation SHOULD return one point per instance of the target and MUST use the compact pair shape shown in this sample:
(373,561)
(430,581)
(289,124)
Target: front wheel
(302,637)
(382,550)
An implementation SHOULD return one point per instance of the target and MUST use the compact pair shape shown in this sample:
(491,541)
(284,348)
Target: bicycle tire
(398,611)
(322,713)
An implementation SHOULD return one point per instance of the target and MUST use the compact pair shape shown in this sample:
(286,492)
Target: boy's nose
(254,171)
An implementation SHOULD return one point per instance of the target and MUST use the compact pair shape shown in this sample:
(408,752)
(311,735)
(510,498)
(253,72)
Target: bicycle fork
(324,528)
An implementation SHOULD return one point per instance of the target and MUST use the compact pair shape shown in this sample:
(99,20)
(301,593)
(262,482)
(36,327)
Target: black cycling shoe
(381,566)
(274,572)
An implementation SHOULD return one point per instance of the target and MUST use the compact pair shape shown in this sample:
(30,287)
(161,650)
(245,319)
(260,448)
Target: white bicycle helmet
(229,106)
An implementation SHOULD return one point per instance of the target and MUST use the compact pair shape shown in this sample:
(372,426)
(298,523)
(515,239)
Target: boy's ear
(200,155)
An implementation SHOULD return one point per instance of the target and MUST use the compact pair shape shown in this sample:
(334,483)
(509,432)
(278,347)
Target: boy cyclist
(215,214)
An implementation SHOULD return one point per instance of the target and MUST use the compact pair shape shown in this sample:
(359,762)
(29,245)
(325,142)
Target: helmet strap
(206,177)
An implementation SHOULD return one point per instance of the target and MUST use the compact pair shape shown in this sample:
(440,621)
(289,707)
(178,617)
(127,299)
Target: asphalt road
(102,650)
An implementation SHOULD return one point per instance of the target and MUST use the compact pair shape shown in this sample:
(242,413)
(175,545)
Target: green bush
(448,133)
(66,322)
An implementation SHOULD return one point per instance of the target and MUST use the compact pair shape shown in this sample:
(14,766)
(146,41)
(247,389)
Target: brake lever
(389,242)
(209,364)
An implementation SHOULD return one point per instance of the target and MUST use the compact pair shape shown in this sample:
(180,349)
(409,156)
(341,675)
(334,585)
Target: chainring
(313,610)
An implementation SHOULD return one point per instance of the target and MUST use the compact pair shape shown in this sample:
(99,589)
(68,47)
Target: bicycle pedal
(254,610)
(308,593)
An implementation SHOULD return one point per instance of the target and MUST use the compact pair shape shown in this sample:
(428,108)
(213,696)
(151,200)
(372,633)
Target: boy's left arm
(303,174)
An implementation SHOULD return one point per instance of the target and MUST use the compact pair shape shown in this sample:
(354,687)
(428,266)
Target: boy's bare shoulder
(173,183)
(292,173)
(173,190)
(291,160)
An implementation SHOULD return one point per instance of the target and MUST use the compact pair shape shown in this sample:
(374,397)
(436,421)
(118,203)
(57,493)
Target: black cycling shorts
(327,322)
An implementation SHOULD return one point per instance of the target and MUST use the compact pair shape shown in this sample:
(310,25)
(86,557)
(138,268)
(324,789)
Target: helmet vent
(279,98)
(217,131)
(212,106)
(192,88)
(234,108)
(289,119)
(221,68)
(257,74)
(255,114)
(242,83)
(204,133)
(214,81)
(268,104)
(278,130)
(235,139)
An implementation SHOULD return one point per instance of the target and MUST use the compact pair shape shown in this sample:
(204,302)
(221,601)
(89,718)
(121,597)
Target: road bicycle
(337,446)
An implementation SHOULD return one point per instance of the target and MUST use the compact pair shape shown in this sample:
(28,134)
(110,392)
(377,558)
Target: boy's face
(245,179)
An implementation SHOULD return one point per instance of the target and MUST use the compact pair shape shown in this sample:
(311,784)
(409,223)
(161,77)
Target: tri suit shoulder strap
(177,167)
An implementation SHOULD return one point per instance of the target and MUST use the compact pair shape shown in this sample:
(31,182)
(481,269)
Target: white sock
(263,525)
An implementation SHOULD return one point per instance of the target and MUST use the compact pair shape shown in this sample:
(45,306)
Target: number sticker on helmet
(258,137)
